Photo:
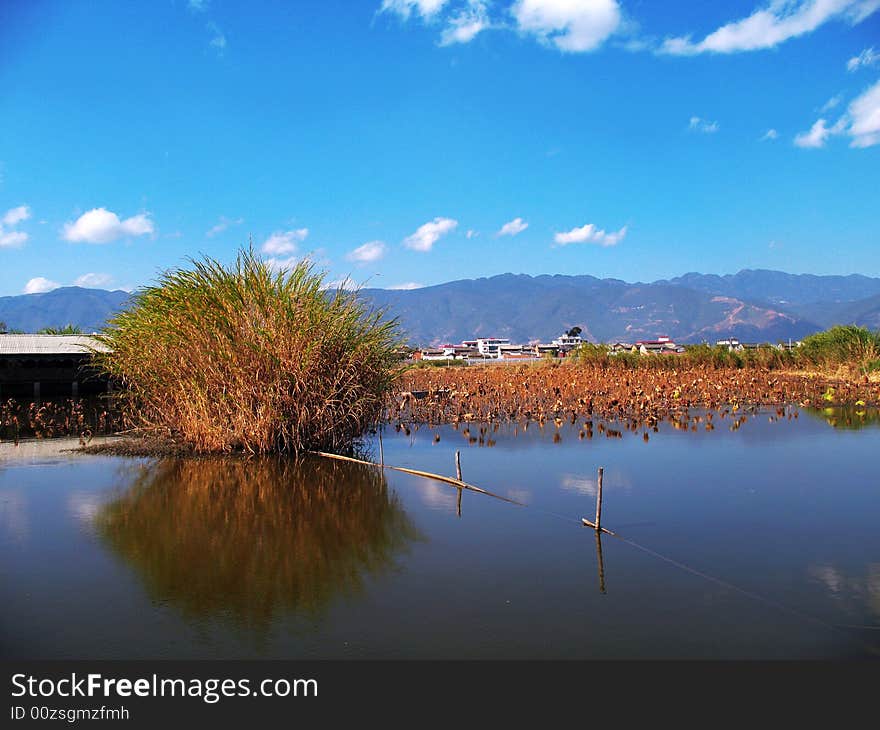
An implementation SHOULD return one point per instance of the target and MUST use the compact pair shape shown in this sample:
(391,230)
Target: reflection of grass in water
(850,418)
(248,539)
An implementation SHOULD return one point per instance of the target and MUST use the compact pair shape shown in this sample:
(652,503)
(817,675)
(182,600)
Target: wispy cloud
(282,243)
(367,253)
(513,228)
(93,280)
(769,135)
(861,123)
(830,104)
(222,225)
(590,234)
(198,6)
(429,233)
(218,38)
(866,58)
(698,124)
(405,8)
(346,283)
(775,23)
(574,26)
(407,286)
(100,225)
(40,285)
(467,24)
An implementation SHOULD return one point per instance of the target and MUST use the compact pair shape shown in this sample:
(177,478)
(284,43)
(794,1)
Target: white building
(491,346)
(567,342)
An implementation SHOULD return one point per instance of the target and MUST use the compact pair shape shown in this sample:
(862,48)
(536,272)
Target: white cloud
(282,264)
(471,234)
(222,225)
(93,281)
(570,25)
(198,6)
(590,234)
(816,136)
(864,116)
(369,252)
(40,285)
(218,39)
(14,216)
(403,8)
(428,234)
(770,134)
(465,26)
(284,242)
(407,286)
(512,228)
(773,24)
(868,57)
(12,239)
(100,225)
(698,124)
(861,123)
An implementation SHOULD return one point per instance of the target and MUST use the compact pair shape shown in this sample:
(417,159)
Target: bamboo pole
(419,473)
(600,561)
(597,525)
(458,465)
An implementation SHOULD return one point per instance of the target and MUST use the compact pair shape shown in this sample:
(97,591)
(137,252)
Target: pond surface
(760,542)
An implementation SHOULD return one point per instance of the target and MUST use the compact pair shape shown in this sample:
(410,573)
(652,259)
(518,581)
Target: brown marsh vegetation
(639,397)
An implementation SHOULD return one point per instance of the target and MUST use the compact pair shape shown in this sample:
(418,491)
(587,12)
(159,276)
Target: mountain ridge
(753,305)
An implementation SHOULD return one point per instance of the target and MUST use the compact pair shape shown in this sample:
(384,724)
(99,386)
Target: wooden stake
(381,450)
(458,465)
(598,523)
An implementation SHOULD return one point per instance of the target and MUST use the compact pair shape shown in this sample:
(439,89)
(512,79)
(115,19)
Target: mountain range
(753,305)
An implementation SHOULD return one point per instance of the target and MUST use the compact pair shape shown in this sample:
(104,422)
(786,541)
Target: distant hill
(526,308)
(777,287)
(87,309)
(753,305)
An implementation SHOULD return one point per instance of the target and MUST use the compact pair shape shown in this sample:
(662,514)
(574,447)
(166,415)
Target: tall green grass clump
(845,345)
(246,358)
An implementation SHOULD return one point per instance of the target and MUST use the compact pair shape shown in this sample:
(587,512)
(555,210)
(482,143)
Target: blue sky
(412,142)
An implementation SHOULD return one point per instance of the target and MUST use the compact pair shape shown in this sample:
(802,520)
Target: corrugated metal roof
(48,344)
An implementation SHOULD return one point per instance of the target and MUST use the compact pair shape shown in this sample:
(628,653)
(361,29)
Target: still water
(760,542)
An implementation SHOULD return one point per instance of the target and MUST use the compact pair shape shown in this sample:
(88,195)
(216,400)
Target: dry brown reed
(247,358)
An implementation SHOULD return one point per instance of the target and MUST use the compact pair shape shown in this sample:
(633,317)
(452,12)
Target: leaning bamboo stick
(419,473)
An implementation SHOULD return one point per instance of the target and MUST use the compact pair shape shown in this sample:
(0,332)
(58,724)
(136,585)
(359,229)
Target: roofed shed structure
(45,366)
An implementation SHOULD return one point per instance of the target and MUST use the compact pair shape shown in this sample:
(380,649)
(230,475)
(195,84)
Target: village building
(661,346)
